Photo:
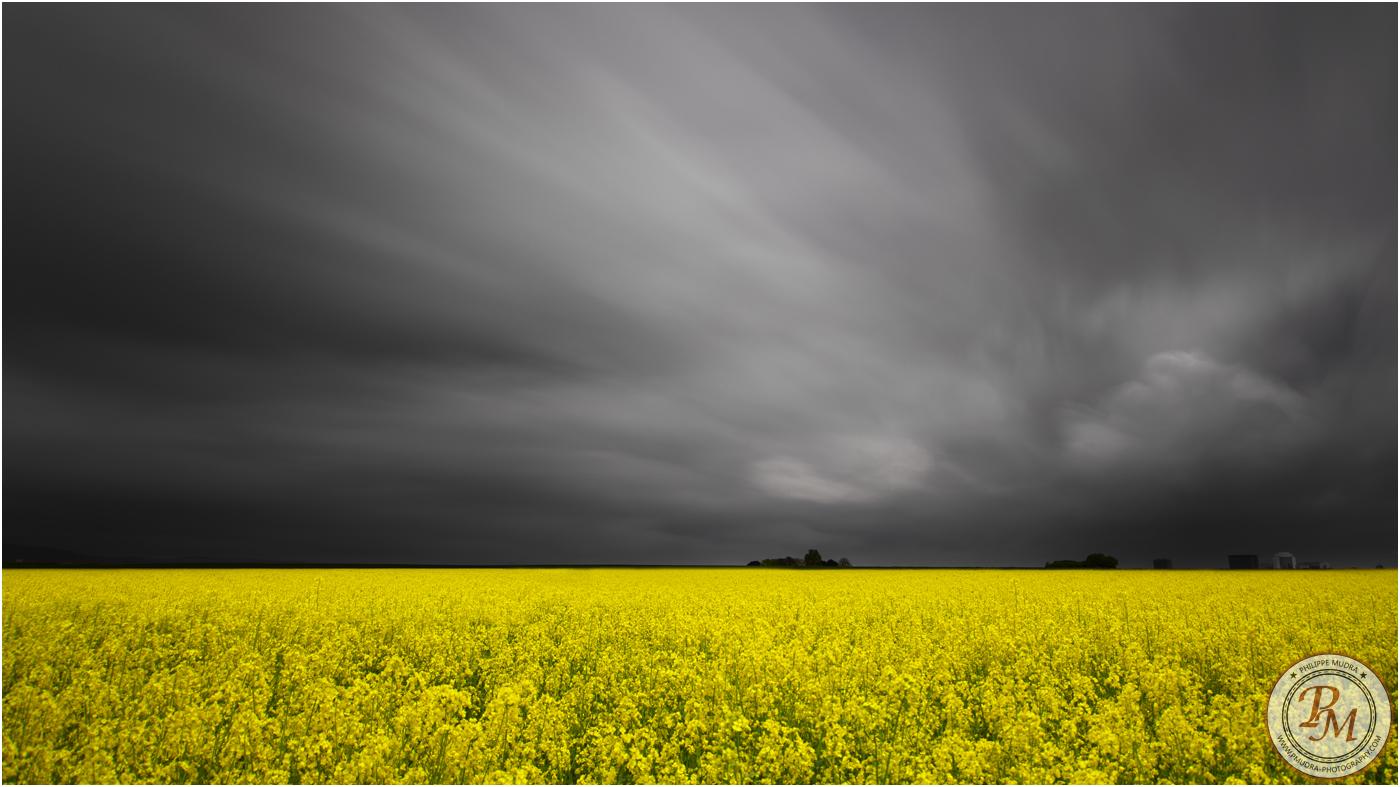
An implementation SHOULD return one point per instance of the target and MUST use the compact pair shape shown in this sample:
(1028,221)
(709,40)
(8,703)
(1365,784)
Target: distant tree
(814,558)
(830,563)
(755,562)
(1095,560)
(844,563)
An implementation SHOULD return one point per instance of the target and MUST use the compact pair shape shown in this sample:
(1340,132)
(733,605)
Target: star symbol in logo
(1294,675)
(1363,676)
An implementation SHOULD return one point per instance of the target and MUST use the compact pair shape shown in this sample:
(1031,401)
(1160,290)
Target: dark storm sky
(915,285)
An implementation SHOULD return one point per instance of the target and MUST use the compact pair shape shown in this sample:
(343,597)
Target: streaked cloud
(679,283)
(854,470)
(1182,407)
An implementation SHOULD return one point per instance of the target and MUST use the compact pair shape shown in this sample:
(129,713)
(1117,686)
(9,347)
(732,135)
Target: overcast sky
(913,285)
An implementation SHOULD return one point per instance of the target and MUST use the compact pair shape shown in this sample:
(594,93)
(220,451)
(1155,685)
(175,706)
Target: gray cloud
(943,285)
(1183,406)
(856,469)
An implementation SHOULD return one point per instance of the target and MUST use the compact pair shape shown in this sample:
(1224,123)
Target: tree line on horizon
(812,560)
(1096,560)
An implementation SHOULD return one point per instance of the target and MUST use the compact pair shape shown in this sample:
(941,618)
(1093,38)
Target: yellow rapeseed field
(747,675)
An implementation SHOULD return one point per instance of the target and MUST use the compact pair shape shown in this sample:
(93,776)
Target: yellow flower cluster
(668,675)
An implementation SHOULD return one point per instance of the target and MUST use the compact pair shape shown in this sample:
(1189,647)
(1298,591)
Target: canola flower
(668,675)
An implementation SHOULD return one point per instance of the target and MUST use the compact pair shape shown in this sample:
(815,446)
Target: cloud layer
(1184,407)
(858,470)
(930,285)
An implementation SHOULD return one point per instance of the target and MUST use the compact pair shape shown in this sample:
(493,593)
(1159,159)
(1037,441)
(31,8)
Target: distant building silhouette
(1162,562)
(1244,561)
(1284,560)
(1315,564)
